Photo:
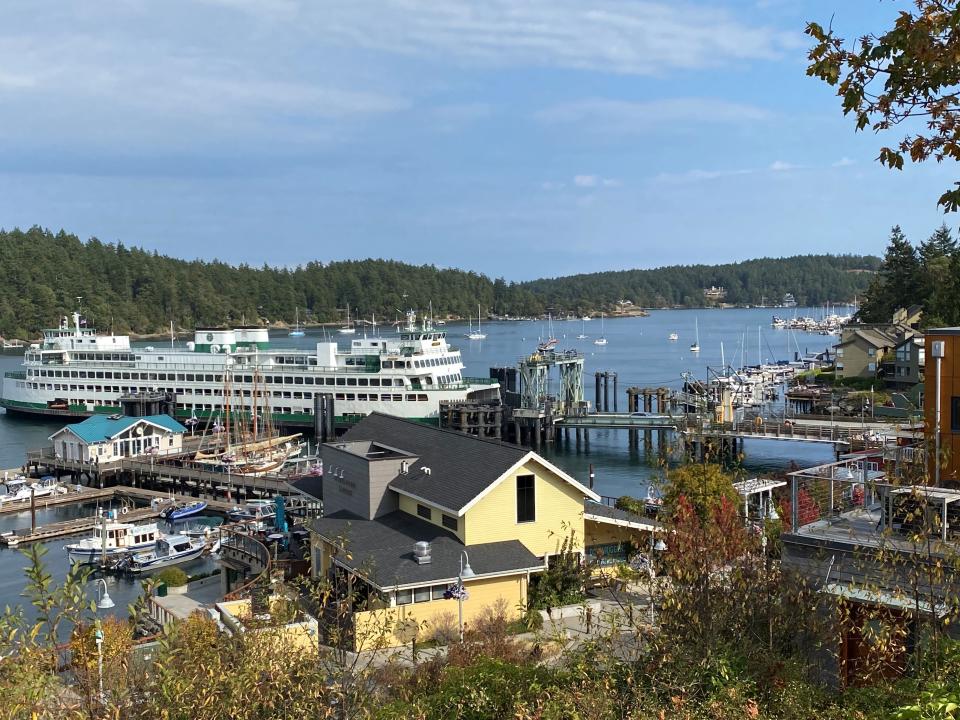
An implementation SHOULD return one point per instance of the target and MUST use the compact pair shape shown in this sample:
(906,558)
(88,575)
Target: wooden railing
(250,551)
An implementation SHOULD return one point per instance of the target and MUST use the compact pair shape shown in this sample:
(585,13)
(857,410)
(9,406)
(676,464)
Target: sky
(517,138)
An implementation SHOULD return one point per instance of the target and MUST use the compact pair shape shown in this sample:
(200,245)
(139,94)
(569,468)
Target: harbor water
(638,350)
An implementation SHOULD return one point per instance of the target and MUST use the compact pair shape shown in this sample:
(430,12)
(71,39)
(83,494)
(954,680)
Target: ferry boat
(76,372)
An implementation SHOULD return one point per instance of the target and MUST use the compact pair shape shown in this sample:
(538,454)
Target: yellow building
(408,506)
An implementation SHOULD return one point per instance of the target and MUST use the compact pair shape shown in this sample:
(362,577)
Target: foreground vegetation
(129,289)
(735,638)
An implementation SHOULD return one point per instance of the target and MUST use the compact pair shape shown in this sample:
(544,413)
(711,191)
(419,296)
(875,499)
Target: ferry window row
(373,397)
(213,378)
(437,362)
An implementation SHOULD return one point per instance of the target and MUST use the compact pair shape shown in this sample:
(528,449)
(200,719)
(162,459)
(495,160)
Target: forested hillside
(135,290)
(927,275)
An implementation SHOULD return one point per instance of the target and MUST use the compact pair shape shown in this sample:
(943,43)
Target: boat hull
(139,566)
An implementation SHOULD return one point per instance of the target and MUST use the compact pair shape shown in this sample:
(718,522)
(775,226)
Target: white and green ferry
(76,371)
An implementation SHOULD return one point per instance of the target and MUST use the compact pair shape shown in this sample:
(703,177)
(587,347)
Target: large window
(955,414)
(526,500)
(424,512)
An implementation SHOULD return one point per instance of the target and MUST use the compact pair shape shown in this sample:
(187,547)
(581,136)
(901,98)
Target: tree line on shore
(130,289)
(927,275)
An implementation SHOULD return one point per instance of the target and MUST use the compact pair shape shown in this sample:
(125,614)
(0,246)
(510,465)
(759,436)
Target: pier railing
(249,551)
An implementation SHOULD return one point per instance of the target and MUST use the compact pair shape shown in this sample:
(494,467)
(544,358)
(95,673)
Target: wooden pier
(71,497)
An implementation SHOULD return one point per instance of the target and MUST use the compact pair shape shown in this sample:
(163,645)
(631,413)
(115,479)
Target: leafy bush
(561,583)
(172,577)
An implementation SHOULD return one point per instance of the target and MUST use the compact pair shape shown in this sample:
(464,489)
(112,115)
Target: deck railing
(250,551)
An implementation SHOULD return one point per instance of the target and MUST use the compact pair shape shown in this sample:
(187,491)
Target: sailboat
(476,334)
(252,450)
(348,329)
(297,327)
(551,342)
(695,347)
(602,340)
(583,329)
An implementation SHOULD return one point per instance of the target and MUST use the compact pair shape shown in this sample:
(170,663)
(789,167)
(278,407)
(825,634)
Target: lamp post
(465,572)
(104,602)
(659,546)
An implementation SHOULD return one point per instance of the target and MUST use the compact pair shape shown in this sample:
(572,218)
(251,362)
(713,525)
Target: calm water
(638,350)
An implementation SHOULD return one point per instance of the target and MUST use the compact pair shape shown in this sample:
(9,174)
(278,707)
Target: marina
(620,465)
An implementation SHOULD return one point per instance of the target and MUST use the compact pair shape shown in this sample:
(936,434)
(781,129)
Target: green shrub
(172,577)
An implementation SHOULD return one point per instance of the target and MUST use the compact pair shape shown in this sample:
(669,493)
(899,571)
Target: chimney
(421,552)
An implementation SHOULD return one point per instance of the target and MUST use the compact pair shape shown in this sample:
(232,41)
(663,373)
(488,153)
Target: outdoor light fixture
(104,601)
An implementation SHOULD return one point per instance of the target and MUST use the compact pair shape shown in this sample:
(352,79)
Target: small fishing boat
(674,337)
(297,327)
(169,550)
(181,511)
(113,539)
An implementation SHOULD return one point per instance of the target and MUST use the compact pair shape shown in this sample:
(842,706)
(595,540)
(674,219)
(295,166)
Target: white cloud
(630,37)
(697,175)
(624,117)
(843,162)
(586,181)
(781,166)
(450,118)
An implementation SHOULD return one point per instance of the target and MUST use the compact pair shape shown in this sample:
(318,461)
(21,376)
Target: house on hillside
(410,507)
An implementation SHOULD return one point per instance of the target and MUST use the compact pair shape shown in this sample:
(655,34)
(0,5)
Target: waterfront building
(105,439)
(943,373)
(881,557)
(863,349)
(408,507)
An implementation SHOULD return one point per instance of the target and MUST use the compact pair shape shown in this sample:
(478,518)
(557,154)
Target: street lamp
(465,572)
(104,602)
(656,545)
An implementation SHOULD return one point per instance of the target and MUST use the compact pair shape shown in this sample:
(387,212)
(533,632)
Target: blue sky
(518,138)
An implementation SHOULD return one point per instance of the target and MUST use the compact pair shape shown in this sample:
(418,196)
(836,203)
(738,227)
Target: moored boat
(112,539)
(181,511)
(169,550)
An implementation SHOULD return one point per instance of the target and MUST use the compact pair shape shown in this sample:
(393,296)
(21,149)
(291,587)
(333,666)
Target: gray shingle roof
(613,513)
(381,550)
(462,466)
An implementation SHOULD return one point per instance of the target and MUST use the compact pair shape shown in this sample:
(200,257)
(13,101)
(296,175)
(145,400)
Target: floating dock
(71,497)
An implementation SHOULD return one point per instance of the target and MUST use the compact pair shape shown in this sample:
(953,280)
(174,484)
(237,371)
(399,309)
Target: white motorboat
(169,550)
(17,490)
(674,337)
(112,539)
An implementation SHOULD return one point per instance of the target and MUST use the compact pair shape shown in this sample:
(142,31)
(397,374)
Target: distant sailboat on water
(297,327)
(583,329)
(695,348)
(348,329)
(476,334)
(602,340)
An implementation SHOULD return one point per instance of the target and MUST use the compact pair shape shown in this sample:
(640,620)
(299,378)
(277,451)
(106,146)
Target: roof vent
(426,470)
(421,552)
(404,468)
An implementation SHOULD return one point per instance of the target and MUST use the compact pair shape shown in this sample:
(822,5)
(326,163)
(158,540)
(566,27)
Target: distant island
(134,290)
